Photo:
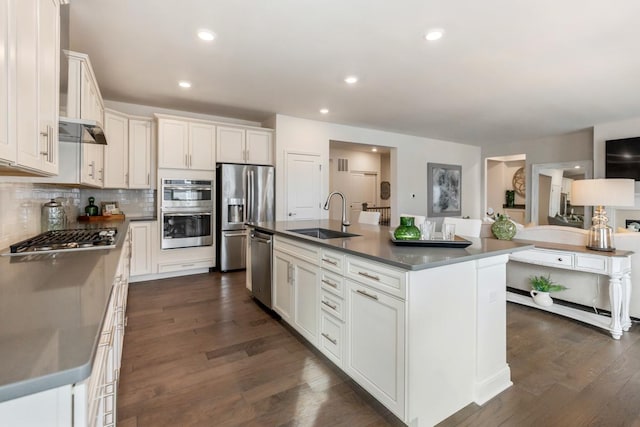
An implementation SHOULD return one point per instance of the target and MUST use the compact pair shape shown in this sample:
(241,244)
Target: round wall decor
(518,182)
(385,190)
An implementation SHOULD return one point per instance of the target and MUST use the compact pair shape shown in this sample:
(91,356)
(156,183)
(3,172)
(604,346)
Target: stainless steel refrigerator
(245,194)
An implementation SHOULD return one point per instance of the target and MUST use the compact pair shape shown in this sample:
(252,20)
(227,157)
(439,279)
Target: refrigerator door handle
(250,200)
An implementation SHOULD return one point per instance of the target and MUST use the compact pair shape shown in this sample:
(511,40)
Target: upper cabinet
(127,157)
(184,144)
(29,83)
(240,145)
(84,100)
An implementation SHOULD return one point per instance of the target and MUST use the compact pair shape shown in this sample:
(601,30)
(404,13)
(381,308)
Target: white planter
(541,298)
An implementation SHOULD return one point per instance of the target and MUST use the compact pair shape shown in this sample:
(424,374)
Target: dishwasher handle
(261,237)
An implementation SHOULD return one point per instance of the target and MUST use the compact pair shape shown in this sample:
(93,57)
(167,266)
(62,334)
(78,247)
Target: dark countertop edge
(70,376)
(142,218)
(468,257)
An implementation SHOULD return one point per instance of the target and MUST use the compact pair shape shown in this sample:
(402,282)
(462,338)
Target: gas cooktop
(66,240)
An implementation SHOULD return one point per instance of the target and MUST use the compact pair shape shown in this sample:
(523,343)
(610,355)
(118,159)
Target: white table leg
(626,298)
(615,299)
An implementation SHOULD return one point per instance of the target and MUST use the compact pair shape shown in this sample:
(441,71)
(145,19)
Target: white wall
(408,162)
(573,146)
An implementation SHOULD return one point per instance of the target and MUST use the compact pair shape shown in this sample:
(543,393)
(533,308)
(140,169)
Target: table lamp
(601,193)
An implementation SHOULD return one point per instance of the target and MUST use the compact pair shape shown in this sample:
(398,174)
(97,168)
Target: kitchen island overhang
(451,313)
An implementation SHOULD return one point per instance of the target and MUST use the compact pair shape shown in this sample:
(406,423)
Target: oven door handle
(187,214)
(175,187)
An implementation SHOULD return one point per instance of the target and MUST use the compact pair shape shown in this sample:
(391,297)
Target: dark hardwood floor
(198,351)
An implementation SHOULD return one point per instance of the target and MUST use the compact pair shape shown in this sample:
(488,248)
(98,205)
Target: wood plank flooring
(198,351)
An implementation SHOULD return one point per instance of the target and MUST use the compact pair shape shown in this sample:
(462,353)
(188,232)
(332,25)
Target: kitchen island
(61,324)
(422,329)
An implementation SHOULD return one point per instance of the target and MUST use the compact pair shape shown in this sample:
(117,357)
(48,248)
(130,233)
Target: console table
(616,265)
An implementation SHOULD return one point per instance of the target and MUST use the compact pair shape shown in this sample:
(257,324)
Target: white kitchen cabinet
(33,71)
(127,156)
(375,343)
(140,153)
(141,247)
(184,144)
(202,143)
(283,285)
(241,145)
(92,164)
(84,100)
(7,145)
(306,290)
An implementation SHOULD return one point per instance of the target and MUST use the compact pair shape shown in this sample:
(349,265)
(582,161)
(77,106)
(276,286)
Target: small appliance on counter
(53,216)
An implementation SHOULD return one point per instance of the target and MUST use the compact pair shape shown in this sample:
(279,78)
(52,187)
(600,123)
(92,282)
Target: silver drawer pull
(366,294)
(329,261)
(331,306)
(333,285)
(368,276)
(333,341)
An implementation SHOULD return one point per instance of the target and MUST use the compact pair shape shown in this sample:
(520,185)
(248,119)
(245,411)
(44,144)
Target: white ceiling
(505,70)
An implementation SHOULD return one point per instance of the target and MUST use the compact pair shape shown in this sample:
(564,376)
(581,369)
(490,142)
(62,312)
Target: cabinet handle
(186,160)
(101,174)
(148,179)
(190,160)
(331,306)
(292,214)
(93,169)
(50,145)
(45,152)
(329,261)
(366,294)
(187,265)
(126,179)
(327,336)
(333,285)
(368,276)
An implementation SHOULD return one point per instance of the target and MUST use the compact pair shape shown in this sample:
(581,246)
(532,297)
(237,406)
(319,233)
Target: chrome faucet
(344,206)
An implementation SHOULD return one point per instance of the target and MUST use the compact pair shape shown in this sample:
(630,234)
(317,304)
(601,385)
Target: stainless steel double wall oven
(187,213)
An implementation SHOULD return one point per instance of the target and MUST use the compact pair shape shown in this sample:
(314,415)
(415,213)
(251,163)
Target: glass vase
(503,228)
(407,230)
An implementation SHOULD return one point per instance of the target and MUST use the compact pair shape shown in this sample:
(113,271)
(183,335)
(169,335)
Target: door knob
(292,214)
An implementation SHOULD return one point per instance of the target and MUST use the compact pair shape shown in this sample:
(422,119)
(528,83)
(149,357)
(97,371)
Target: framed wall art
(444,190)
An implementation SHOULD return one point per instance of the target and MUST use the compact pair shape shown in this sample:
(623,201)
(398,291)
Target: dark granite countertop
(374,242)
(52,308)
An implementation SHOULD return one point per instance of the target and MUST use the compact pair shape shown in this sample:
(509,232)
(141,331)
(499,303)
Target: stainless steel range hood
(80,131)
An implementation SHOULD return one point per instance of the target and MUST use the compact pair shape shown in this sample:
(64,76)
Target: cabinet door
(173,144)
(231,145)
(90,103)
(116,153)
(92,165)
(259,147)
(48,81)
(27,133)
(140,248)
(306,281)
(375,344)
(282,285)
(7,145)
(202,142)
(139,153)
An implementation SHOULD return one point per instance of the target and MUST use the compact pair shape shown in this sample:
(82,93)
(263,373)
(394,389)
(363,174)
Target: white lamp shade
(605,192)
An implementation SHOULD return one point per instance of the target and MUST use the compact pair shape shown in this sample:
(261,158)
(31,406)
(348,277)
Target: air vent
(343,165)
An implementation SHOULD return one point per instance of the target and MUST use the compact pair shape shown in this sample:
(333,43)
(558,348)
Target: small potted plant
(541,287)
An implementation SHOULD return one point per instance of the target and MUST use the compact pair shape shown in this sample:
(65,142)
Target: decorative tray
(458,242)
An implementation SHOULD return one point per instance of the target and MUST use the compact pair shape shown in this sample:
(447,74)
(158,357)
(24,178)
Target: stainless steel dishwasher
(261,258)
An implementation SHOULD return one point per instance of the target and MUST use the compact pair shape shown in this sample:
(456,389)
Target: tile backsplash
(21,203)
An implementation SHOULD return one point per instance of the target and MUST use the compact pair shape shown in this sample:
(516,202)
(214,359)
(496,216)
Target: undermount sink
(323,233)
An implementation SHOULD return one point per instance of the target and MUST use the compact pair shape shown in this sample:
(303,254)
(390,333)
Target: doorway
(502,174)
(357,171)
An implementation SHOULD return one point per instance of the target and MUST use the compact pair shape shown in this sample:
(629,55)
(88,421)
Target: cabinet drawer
(332,338)
(332,260)
(377,275)
(332,282)
(298,249)
(544,257)
(168,267)
(596,264)
(332,304)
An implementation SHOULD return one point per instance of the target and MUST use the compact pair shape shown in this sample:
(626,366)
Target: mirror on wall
(551,194)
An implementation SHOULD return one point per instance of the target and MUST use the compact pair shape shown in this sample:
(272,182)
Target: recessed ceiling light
(374,149)
(576,167)
(206,35)
(351,79)
(324,111)
(433,35)
(184,84)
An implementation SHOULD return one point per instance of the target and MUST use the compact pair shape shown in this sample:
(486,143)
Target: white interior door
(362,189)
(303,186)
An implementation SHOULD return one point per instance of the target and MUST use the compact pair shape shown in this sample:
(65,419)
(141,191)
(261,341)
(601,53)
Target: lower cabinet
(306,290)
(142,247)
(375,343)
(282,290)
